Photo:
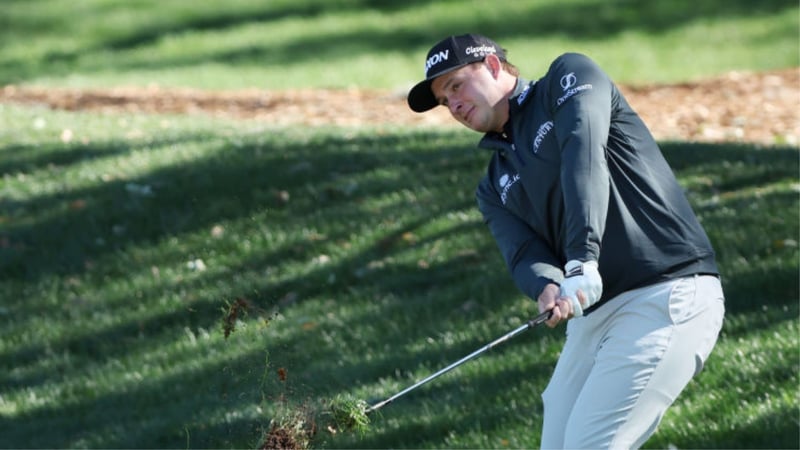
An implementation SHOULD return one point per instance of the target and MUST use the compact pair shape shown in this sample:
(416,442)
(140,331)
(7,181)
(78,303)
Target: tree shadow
(760,225)
(373,310)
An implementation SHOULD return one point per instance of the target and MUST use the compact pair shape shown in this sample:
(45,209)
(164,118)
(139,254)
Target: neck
(509,86)
(512,86)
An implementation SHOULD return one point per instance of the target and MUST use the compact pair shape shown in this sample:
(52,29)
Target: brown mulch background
(759,108)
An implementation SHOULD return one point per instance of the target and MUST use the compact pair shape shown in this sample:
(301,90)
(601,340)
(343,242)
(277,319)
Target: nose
(454,104)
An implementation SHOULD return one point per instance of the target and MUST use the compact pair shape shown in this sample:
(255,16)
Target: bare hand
(550,300)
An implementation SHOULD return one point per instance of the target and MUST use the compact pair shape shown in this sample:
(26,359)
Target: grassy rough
(366,254)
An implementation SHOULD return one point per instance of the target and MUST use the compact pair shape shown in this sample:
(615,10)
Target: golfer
(592,225)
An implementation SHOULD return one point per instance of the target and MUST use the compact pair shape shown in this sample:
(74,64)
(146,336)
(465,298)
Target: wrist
(574,263)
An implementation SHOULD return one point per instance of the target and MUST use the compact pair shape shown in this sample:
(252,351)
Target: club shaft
(530,324)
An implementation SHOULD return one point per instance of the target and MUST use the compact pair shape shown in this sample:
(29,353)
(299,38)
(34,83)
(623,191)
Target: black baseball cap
(448,55)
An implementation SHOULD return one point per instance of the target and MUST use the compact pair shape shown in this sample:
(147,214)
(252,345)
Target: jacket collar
(521,88)
(500,141)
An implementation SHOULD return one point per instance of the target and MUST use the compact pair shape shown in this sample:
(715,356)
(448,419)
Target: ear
(494,65)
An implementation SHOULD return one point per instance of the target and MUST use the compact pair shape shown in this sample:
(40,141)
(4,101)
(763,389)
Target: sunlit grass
(342,44)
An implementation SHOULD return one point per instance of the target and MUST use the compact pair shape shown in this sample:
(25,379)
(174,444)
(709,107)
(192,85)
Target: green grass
(366,43)
(355,259)
(362,266)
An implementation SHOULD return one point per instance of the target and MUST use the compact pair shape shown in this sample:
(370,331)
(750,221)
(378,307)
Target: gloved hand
(584,277)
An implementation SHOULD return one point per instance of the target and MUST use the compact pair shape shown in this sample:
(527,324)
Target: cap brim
(420,97)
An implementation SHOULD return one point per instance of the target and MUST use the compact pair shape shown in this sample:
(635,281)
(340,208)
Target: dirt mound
(747,107)
(280,439)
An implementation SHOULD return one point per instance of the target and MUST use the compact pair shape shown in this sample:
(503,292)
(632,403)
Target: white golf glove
(581,276)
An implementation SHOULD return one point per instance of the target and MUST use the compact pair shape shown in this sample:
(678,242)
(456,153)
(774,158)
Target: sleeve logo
(569,83)
(568,80)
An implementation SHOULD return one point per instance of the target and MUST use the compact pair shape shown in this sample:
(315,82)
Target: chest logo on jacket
(541,133)
(506,182)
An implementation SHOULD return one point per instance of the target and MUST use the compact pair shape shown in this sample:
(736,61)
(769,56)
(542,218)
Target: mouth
(468,115)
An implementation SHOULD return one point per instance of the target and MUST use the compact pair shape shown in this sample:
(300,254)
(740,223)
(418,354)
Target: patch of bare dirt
(739,106)
(280,439)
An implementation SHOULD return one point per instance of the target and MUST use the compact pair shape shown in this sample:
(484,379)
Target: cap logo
(483,50)
(435,59)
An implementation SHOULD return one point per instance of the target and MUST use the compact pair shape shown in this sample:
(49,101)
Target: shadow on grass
(407,266)
(748,203)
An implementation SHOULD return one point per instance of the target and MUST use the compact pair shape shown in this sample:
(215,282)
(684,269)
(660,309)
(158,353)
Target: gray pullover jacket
(577,175)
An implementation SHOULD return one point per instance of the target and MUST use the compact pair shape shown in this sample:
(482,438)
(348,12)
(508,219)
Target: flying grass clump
(239,309)
(348,414)
(296,429)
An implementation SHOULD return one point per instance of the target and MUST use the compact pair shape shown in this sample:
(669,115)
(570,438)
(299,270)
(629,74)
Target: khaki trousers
(624,364)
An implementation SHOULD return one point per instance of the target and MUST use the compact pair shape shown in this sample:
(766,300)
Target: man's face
(472,95)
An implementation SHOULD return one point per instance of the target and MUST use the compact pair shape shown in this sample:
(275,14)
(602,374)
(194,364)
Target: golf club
(529,324)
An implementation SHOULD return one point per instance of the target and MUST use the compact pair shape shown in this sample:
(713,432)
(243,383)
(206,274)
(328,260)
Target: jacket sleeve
(581,96)
(531,262)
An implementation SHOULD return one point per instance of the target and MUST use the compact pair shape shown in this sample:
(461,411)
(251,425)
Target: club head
(376,404)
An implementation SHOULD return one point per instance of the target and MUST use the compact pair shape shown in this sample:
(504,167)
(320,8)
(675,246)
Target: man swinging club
(592,225)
